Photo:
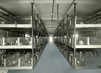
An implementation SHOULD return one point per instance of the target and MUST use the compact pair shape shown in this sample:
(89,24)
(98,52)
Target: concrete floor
(52,61)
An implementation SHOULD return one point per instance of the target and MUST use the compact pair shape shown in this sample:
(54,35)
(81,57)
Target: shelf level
(15,25)
(16,47)
(88,25)
(16,68)
(88,46)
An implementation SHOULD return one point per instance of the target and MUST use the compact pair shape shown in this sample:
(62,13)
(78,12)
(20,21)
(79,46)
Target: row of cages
(88,41)
(15,59)
(81,40)
(84,58)
(15,41)
(19,41)
(19,58)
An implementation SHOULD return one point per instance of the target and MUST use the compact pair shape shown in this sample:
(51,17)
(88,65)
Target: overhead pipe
(57,11)
(53,7)
(94,15)
(37,11)
(7,19)
(69,8)
(52,14)
(6,11)
(67,11)
(71,5)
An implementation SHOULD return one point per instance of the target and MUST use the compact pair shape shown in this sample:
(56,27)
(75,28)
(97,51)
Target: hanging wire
(52,14)
(57,11)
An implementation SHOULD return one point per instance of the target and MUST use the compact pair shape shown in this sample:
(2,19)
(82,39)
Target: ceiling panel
(18,9)
(86,7)
(44,8)
(16,1)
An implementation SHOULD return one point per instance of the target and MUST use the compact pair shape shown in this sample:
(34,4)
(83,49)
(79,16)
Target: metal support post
(96,19)
(3,41)
(19,62)
(74,33)
(19,41)
(87,40)
(63,31)
(4,62)
(67,31)
(32,21)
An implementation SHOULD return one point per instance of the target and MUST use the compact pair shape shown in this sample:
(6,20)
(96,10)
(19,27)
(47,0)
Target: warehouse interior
(28,28)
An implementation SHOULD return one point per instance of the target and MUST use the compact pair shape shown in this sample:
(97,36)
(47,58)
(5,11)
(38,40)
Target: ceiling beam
(51,18)
(36,1)
(6,11)
(43,18)
(50,27)
(48,1)
(8,19)
(66,1)
(6,14)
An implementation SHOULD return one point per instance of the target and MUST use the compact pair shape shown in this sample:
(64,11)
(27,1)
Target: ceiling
(44,9)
